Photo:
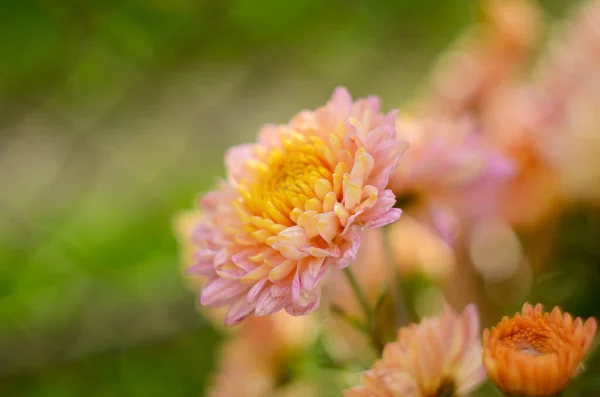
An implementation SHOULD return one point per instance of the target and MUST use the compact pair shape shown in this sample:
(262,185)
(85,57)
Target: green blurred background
(114,116)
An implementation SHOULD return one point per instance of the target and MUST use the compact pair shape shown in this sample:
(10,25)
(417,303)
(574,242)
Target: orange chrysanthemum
(535,354)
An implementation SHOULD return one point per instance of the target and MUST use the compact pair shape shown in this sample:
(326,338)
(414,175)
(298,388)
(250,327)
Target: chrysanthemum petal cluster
(534,353)
(292,207)
(440,354)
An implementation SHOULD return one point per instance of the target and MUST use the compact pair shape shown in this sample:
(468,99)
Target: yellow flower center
(285,178)
(291,175)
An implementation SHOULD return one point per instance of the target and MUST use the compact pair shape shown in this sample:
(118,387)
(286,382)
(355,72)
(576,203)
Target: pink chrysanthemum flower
(448,167)
(293,205)
(438,357)
(569,83)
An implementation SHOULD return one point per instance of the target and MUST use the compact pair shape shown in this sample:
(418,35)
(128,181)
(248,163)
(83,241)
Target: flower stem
(353,321)
(393,281)
(364,327)
(368,326)
(360,296)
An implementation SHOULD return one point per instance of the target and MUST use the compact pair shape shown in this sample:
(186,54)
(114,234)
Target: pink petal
(255,292)
(269,136)
(340,103)
(269,304)
(242,259)
(203,236)
(385,200)
(349,248)
(238,312)
(221,257)
(389,217)
(297,310)
(280,289)
(304,121)
(313,274)
(220,291)
(204,263)
(235,161)
(230,272)
(386,162)
(296,287)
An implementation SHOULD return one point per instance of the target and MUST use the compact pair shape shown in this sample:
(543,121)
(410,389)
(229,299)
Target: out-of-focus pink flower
(448,169)
(255,359)
(549,126)
(293,205)
(568,83)
(439,356)
(486,57)
(512,123)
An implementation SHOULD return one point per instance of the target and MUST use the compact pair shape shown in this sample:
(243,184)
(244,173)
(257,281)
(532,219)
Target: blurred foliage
(159,369)
(572,274)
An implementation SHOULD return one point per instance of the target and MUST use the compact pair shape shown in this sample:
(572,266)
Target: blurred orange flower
(439,355)
(254,362)
(486,57)
(535,354)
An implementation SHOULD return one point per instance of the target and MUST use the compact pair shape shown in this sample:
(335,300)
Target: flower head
(292,207)
(438,356)
(535,354)
(449,166)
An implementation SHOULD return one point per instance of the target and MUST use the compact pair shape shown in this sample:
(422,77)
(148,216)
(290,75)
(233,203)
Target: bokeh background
(114,116)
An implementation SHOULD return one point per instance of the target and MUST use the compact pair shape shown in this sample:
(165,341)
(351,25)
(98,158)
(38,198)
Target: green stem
(368,326)
(384,293)
(360,296)
(353,321)
(393,282)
